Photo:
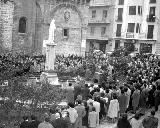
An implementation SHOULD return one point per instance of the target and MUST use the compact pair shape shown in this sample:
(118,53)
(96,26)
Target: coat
(143,98)
(135,98)
(77,90)
(93,119)
(85,93)
(122,103)
(70,94)
(113,108)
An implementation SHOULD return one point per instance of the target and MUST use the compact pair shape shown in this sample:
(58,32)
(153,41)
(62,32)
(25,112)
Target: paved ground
(106,124)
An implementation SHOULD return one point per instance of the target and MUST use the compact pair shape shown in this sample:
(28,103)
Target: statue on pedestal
(51,31)
(50,56)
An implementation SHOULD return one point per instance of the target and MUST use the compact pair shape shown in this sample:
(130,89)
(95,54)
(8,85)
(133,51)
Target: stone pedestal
(49,66)
(50,56)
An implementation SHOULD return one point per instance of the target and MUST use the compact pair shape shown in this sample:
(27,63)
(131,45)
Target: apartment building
(136,24)
(100,25)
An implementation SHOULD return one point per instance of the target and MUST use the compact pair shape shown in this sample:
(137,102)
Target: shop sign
(142,35)
(129,35)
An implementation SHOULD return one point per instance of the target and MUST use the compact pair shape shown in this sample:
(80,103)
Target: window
(22,25)
(152,1)
(117,44)
(103,31)
(66,32)
(132,10)
(138,28)
(120,13)
(93,13)
(92,30)
(131,27)
(118,32)
(152,11)
(150,31)
(104,14)
(139,10)
(121,2)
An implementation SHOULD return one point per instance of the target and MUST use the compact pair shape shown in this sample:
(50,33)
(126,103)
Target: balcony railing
(130,35)
(97,36)
(151,18)
(103,21)
(100,3)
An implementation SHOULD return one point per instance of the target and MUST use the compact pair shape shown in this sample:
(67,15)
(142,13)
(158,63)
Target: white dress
(113,108)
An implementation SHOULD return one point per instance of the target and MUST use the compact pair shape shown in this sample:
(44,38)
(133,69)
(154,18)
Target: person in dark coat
(85,118)
(151,96)
(85,92)
(25,123)
(70,93)
(34,122)
(123,122)
(143,100)
(77,91)
(122,102)
(157,97)
(135,99)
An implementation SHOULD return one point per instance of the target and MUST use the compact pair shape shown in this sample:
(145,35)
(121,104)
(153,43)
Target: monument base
(51,77)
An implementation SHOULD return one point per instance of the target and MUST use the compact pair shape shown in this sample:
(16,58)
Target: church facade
(30,20)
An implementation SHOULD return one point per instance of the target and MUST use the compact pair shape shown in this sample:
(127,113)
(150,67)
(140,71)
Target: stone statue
(51,31)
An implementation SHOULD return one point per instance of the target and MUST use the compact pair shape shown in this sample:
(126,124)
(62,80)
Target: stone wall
(24,41)
(77,25)
(6,22)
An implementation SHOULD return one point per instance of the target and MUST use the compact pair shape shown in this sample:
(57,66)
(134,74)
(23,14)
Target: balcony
(99,21)
(97,37)
(100,3)
(151,18)
(130,35)
(142,36)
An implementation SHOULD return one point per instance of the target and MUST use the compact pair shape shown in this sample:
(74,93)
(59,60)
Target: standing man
(85,92)
(96,104)
(135,99)
(77,90)
(70,93)
(122,102)
(157,97)
(73,115)
(81,113)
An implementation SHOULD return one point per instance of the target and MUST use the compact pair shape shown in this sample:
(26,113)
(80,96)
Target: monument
(50,56)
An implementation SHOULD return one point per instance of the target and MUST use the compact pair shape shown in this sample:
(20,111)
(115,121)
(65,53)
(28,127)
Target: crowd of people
(69,61)
(91,103)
